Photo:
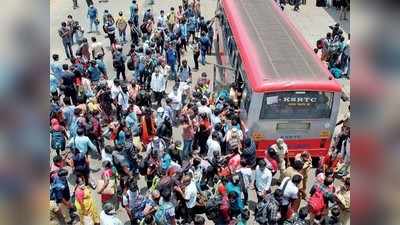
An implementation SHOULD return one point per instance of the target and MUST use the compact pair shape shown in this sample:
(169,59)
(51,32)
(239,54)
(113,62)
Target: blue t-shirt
(94,73)
(230,187)
(92,13)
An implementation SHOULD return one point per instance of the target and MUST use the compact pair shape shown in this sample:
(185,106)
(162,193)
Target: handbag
(110,188)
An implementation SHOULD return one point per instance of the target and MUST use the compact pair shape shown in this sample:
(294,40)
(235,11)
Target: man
(56,68)
(176,103)
(92,15)
(171,19)
(290,191)
(66,35)
(184,72)
(162,21)
(122,101)
(213,146)
(68,112)
(171,57)
(119,62)
(97,48)
(268,210)
(133,11)
(158,85)
(342,197)
(108,216)
(68,84)
(204,108)
(190,196)
(281,150)
(94,72)
(263,179)
(59,192)
(148,15)
(121,24)
(81,142)
(166,212)
(205,44)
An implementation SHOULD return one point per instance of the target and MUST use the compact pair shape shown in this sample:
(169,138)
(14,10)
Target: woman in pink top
(187,136)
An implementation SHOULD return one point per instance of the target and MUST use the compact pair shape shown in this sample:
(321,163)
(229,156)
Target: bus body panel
(316,139)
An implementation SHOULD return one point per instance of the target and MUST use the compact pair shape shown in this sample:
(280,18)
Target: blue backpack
(57,140)
(160,216)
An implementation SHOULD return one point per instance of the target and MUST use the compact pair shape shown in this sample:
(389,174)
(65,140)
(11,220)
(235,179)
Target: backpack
(316,202)
(56,185)
(57,140)
(160,217)
(212,208)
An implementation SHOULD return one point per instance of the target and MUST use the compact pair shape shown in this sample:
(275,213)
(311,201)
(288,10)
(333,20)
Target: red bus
(286,90)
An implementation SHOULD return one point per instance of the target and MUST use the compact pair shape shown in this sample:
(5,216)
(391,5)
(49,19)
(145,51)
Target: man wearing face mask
(281,149)
(122,101)
(176,104)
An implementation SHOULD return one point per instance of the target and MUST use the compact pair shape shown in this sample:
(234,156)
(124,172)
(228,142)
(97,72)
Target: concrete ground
(312,22)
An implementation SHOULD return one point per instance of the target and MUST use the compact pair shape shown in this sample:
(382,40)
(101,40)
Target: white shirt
(263,179)
(248,176)
(280,151)
(165,71)
(123,100)
(97,48)
(176,100)
(213,146)
(115,90)
(205,109)
(290,192)
(109,219)
(158,82)
(191,195)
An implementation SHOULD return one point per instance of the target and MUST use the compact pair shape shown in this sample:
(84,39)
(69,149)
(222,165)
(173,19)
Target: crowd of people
(335,51)
(130,124)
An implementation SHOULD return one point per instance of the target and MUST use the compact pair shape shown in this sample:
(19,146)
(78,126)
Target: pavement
(312,22)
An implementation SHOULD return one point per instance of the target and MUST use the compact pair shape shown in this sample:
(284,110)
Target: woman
(187,136)
(84,49)
(121,137)
(107,186)
(134,89)
(58,136)
(85,205)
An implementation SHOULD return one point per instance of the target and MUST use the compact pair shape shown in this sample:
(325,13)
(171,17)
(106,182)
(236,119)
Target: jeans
(122,36)
(187,149)
(173,70)
(121,71)
(68,49)
(92,21)
(203,56)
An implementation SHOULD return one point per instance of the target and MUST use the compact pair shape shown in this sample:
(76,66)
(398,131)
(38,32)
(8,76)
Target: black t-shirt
(63,193)
(68,78)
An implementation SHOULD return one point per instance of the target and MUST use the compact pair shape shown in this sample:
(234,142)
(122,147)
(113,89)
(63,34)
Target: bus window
(297,105)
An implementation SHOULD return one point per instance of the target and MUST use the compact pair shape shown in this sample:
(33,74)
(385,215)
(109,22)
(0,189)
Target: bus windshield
(296,105)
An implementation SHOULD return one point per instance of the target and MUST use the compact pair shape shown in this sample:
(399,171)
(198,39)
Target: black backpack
(212,208)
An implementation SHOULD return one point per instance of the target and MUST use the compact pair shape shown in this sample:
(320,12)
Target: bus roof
(275,55)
